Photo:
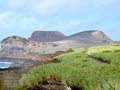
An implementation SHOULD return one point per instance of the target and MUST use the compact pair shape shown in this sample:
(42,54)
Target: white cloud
(11,20)
(75,22)
(7,19)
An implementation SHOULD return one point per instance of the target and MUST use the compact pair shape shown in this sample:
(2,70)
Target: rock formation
(17,45)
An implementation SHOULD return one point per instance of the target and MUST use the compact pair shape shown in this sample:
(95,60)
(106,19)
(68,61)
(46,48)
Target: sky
(23,17)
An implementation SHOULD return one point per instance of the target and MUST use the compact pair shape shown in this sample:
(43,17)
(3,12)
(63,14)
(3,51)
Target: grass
(2,86)
(19,88)
(109,53)
(76,70)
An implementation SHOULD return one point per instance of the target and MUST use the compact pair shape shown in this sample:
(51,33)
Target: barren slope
(47,36)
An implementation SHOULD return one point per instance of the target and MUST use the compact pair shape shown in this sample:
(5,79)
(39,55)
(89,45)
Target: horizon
(23,17)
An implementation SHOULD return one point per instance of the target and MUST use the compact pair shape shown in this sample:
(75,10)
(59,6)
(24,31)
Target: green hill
(78,71)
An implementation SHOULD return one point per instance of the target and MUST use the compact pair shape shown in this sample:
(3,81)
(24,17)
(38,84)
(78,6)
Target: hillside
(89,36)
(77,71)
(17,45)
(47,36)
(86,39)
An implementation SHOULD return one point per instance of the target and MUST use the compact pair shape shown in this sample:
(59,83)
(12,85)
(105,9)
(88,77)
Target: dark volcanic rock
(47,36)
(21,63)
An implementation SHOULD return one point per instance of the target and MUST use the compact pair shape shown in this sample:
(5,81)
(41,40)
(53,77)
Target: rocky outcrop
(21,63)
(47,36)
(17,45)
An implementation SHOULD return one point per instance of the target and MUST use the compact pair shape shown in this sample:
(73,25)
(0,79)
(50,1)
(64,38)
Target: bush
(116,50)
(69,50)
(107,51)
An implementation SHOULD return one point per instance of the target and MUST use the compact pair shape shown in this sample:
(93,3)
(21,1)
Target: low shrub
(107,51)
(69,50)
(116,50)
(77,70)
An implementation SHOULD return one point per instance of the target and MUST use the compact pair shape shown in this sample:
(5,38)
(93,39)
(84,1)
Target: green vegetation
(19,88)
(69,50)
(76,70)
(2,86)
(67,88)
(109,53)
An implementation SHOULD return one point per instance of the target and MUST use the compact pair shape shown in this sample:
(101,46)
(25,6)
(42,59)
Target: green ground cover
(109,53)
(76,70)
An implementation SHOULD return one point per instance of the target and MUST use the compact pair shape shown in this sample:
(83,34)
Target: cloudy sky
(22,17)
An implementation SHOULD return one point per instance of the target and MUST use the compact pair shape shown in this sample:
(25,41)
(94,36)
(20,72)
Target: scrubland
(77,70)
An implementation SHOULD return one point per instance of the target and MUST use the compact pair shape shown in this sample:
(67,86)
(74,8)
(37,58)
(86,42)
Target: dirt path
(98,60)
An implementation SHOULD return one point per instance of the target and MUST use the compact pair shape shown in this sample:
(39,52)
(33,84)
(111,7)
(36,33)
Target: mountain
(17,45)
(89,36)
(47,36)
